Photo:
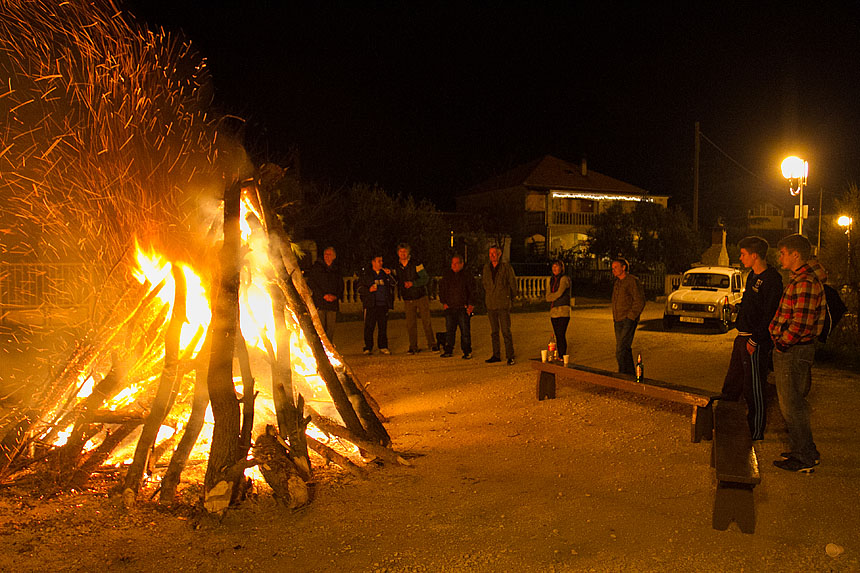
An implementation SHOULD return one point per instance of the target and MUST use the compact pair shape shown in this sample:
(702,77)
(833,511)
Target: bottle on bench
(551,350)
(640,369)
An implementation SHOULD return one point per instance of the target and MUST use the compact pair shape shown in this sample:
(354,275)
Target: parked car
(707,295)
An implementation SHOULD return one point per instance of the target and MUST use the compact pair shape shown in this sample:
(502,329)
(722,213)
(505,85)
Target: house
(549,204)
(766,215)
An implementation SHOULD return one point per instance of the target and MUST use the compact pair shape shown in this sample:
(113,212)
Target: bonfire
(201,331)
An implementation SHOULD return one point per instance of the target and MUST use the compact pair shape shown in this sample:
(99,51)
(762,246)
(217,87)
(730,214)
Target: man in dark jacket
(376,289)
(748,367)
(412,280)
(457,295)
(500,289)
(326,284)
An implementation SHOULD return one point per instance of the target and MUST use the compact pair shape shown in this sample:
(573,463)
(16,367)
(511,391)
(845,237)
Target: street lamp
(845,221)
(796,170)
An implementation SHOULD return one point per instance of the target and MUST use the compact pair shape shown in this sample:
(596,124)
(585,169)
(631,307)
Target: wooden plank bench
(702,423)
(734,460)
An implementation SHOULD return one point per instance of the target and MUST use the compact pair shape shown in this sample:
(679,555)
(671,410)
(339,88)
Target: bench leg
(734,502)
(546,386)
(703,423)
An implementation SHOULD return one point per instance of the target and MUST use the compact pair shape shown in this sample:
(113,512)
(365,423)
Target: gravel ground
(595,480)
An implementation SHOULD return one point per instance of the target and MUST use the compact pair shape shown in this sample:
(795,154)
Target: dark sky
(430,98)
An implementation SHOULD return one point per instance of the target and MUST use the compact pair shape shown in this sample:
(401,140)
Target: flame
(86,388)
(153,268)
(125,397)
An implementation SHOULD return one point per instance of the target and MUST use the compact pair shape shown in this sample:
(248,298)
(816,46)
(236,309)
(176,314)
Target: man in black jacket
(326,284)
(457,295)
(376,289)
(748,368)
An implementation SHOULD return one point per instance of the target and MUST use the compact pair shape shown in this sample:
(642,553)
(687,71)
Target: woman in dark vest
(558,295)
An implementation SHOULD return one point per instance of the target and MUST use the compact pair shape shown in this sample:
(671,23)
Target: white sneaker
(385,351)
(366,351)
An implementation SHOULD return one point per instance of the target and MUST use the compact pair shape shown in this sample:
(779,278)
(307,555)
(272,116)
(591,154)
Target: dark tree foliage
(366,221)
(648,235)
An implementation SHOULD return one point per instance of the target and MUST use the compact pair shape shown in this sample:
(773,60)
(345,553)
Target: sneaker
(467,356)
(492,359)
(794,465)
(511,361)
(366,351)
(446,355)
(435,348)
(411,352)
(385,351)
(787,455)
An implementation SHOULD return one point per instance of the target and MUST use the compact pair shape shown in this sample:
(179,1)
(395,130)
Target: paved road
(688,355)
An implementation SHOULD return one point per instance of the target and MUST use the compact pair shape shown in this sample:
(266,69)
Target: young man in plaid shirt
(798,321)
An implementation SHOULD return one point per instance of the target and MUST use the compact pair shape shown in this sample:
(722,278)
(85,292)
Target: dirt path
(594,480)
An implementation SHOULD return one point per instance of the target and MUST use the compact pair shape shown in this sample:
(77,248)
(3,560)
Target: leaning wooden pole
(224,452)
(166,392)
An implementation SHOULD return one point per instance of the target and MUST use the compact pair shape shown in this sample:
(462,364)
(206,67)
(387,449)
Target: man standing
(326,284)
(376,289)
(412,282)
(798,321)
(457,295)
(748,367)
(628,302)
(500,288)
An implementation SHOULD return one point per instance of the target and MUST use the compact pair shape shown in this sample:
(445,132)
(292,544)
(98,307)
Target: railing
(564,218)
(43,288)
(531,289)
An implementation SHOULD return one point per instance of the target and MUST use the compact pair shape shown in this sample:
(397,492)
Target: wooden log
(224,452)
(94,459)
(249,395)
(331,427)
(193,426)
(166,392)
(279,469)
(329,454)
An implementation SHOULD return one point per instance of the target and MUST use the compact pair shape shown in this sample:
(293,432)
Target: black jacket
(367,279)
(759,304)
(323,280)
(457,290)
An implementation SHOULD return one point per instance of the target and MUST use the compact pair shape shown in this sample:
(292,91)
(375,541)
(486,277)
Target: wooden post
(224,452)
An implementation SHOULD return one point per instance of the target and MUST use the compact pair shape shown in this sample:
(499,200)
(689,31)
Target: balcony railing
(582,219)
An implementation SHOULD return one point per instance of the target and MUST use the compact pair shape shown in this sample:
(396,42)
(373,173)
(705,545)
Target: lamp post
(845,221)
(796,170)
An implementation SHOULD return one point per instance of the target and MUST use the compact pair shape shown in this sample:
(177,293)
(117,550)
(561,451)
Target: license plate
(693,319)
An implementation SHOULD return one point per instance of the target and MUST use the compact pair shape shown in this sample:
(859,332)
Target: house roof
(553,173)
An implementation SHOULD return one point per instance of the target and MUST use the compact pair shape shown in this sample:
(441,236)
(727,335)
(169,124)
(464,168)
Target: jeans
(500,321)
(376,316)
(792,372)
(559,328)
(455,317)
(414,307)
(624,331)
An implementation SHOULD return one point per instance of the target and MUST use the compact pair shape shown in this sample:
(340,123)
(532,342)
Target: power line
(732,159)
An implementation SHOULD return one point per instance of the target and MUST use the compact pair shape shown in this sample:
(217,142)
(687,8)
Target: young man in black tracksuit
(748,368)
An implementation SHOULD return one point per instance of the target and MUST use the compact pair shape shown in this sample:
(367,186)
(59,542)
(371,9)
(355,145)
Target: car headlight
(711,308)
(676,306)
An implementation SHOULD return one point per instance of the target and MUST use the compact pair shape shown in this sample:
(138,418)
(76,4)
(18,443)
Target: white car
(707,295)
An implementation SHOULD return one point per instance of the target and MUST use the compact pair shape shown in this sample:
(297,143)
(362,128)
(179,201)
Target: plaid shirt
(800,316)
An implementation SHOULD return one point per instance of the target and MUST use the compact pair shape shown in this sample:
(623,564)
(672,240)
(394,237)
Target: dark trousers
(747,375)
(376,317)
(500,321)
(559,327)
(792,372)
(624,331)
(458,317)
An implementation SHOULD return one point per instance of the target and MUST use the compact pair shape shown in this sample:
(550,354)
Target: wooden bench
(702,423)
(734,460)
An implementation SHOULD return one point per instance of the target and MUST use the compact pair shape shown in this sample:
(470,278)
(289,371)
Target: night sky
(428,99)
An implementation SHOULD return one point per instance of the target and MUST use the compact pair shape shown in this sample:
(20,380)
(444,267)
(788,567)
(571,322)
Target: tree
(647,235)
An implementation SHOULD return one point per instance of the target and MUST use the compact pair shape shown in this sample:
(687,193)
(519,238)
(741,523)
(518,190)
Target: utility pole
(696,183)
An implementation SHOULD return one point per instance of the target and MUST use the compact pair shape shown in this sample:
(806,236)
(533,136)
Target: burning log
(97,457)
(331,455)
(225,407)
(249,395)
(166,388)
(331,427)
(279,469)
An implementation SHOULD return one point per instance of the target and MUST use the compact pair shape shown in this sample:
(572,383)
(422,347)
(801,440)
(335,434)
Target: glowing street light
(845,221)
(796,170)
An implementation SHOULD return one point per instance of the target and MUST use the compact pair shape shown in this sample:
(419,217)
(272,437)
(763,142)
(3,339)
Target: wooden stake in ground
(219,485)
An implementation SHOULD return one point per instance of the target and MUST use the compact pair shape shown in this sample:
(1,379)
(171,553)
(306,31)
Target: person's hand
(408,284)
(387,271)
(329,297)
(373,288)
(470,309)
(445,306)
(750,348)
